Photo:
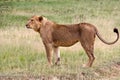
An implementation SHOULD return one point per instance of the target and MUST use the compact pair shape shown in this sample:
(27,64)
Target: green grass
(22,52)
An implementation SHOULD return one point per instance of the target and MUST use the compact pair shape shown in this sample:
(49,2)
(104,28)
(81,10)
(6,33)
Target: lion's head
(35,22)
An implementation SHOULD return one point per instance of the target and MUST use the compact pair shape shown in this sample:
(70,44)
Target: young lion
(55,35)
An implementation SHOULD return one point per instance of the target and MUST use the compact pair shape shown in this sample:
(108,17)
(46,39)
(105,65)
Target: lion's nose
(27,26)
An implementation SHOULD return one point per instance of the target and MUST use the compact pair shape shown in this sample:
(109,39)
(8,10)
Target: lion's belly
(65,43)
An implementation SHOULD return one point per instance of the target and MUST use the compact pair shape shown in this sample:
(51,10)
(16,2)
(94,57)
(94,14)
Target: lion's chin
(37,30)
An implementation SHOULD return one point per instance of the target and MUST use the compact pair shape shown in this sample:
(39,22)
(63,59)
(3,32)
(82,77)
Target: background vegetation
(22,53)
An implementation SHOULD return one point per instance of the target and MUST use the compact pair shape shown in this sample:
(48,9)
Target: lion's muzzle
(27,26)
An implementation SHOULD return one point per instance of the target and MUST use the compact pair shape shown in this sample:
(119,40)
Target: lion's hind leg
(87,42)
(90,54)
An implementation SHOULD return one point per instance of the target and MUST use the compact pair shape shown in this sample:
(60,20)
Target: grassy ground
(22,53)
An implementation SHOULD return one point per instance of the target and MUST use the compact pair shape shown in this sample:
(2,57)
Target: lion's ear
(40,18)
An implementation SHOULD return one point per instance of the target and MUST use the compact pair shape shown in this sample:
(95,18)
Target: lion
(59,35)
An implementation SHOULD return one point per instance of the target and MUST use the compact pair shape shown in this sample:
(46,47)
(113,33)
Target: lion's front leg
(49,50)
(57,55)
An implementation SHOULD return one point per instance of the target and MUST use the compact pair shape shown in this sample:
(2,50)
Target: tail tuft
(115,30)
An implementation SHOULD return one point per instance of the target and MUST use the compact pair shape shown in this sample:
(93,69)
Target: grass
(22,52)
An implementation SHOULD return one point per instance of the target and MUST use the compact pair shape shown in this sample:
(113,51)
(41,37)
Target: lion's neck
(46,29)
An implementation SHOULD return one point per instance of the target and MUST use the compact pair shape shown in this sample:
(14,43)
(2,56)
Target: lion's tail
(109,43)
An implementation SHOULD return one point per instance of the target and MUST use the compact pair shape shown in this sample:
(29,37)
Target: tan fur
(55,35)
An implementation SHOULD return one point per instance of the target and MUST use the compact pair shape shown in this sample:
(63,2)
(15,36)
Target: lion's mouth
(28,27)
